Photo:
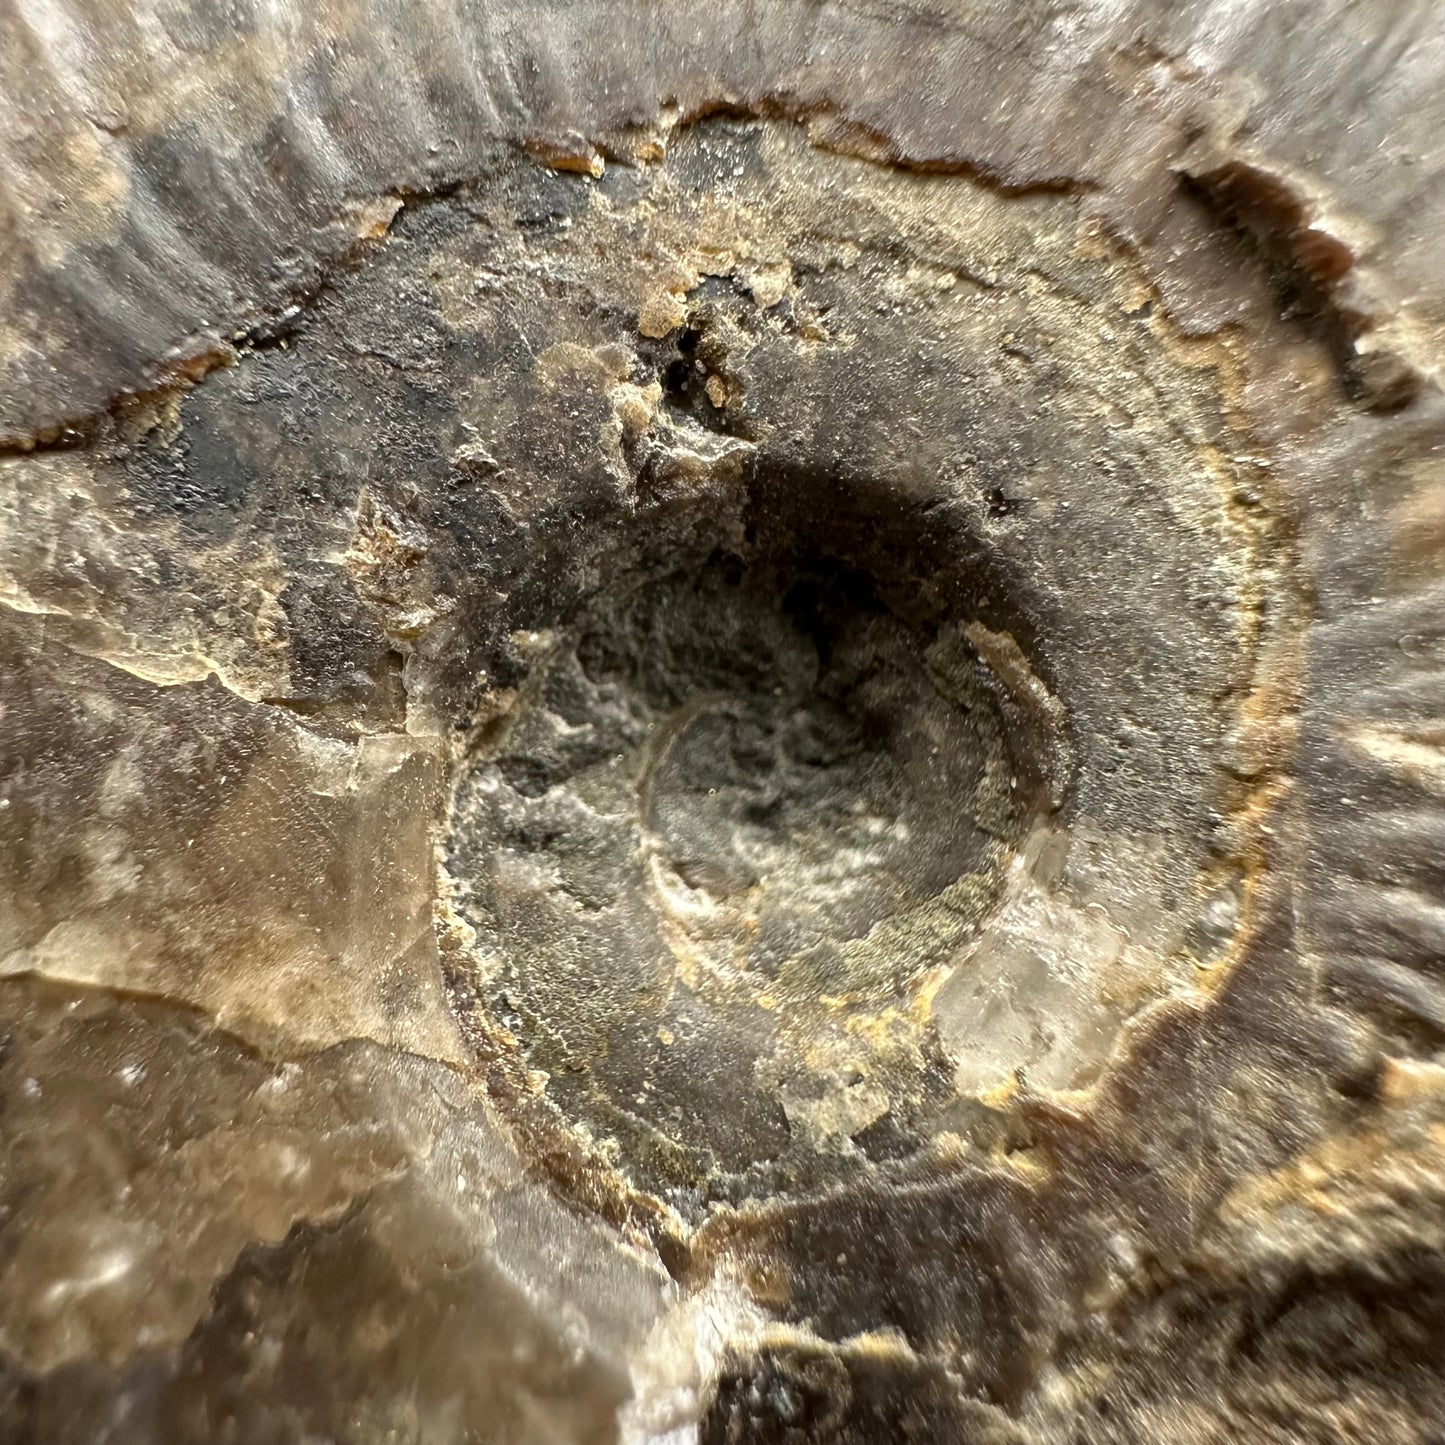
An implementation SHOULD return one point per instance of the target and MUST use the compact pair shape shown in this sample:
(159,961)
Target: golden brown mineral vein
(722,723)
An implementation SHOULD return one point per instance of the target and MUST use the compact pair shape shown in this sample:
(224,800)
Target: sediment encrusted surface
(722,725)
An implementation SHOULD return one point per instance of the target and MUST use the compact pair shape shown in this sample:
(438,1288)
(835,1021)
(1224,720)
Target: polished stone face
(721,724)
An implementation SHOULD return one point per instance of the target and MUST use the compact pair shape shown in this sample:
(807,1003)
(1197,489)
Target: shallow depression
(734,811)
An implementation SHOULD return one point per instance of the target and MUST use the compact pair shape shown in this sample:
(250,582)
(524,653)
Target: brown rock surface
(722,723)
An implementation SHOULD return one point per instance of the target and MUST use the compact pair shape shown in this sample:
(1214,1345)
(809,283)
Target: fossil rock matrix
(722,725)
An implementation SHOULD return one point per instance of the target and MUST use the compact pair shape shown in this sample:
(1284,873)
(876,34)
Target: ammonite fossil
(722,722)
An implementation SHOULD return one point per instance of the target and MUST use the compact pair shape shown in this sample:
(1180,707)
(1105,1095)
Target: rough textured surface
(722,724)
